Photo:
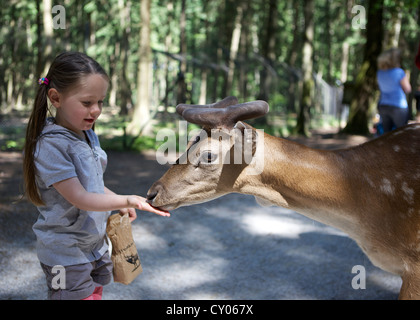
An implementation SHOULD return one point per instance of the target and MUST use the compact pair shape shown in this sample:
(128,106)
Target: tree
(234,44)
(346,45)
(48,34)
(268,50)
(308,82)
(140,122)
(391,38)
(365,82)
(182,86)
(292,55)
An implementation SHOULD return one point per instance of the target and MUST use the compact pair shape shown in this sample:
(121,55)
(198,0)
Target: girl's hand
(132,215)
(140,203)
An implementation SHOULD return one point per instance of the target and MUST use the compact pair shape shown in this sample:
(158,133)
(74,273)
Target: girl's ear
(55,97)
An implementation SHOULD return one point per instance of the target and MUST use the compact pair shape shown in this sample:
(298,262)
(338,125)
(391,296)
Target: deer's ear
(245,138)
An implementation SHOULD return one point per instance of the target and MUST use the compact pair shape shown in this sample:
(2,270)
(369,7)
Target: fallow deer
(371,191)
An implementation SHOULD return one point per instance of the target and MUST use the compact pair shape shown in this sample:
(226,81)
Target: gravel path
(229,248)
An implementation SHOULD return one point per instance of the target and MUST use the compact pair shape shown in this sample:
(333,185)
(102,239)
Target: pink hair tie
(43,81)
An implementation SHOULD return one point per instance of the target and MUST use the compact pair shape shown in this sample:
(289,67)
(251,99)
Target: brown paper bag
(124,255)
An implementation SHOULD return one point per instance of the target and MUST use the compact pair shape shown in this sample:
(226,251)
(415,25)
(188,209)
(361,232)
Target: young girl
(63,171)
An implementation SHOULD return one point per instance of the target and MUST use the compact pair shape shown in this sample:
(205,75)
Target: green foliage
(109,31)
(113,136)
(12,136)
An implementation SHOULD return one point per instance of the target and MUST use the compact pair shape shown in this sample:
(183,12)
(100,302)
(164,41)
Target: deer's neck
(312,182)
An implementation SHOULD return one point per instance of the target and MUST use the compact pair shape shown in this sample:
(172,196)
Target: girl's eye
(86,103)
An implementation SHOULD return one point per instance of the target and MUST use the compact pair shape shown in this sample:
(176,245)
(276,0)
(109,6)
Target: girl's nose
(96,109)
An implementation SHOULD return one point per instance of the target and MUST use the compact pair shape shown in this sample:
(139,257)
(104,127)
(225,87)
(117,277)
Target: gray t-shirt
(65,234)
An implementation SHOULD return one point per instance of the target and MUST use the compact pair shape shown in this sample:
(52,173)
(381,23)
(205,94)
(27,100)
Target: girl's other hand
(132,215)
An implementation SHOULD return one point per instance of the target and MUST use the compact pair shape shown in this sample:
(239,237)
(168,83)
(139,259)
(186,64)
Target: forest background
(312,61)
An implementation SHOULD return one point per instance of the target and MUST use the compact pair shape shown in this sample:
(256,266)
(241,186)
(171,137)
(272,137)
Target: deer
(370,191)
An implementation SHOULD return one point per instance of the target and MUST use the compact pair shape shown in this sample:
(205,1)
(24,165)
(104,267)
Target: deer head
(225,149)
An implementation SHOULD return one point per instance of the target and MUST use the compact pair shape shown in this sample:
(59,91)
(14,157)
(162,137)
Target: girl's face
(78,108)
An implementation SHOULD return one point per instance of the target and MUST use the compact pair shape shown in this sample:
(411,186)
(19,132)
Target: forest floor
(229,248)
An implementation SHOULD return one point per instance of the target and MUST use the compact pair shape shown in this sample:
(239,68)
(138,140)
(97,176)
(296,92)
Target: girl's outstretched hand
(147,207)
(141,204)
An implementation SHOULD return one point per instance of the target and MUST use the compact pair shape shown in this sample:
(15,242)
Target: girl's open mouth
(90,120)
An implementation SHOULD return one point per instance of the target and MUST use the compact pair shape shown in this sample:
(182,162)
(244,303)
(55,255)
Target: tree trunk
(392,36)
(168,47)
(328,36)
(39,64)
(48,35)
(365,84)
(124,83)
(308,82)
(182,87)
(113,71)
(140,122)
(243,54)
(268,51)
(234,46)
(294,87)
(346,46)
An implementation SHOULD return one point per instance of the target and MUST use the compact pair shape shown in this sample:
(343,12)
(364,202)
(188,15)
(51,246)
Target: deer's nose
(153,192)
(151,196)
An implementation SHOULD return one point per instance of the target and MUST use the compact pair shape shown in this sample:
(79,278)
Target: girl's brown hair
(65,72)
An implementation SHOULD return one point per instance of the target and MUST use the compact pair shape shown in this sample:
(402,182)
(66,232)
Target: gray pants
(80,280)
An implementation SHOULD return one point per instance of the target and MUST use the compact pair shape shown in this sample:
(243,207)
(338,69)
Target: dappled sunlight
(191,275)
(274,221)
(144,238)
(264,224)
(180,278)
(383,280)
(14,273)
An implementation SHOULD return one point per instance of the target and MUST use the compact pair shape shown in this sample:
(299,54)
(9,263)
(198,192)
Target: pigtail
(35,126)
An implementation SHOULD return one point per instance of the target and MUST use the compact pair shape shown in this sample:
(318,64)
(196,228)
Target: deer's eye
(208,157)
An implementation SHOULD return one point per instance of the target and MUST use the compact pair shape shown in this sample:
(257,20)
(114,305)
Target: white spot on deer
(396,148)
(387,187)
(369,181)
(410,212)
(408,193)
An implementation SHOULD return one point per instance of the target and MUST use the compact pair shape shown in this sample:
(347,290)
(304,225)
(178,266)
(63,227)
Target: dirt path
(229,248)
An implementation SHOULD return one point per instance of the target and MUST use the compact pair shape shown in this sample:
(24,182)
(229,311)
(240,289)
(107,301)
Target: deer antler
(224,113)
(228,101)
